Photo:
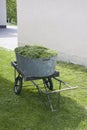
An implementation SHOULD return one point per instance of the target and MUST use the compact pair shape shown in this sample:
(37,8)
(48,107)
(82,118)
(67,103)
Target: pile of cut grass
(35,51)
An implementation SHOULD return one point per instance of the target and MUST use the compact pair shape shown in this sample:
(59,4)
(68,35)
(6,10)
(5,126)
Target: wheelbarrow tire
(18,85)
(49,84)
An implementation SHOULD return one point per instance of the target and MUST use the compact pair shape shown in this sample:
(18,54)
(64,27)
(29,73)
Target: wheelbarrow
(48,87)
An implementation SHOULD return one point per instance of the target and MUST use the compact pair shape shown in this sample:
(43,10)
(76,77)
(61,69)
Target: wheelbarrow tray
(29,77)
(37,67)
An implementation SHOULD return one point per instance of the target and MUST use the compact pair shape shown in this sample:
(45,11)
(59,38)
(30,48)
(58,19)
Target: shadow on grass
(5,86)
(69,116)
(26,112)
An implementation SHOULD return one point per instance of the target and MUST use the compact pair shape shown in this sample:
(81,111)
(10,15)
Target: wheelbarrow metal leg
(59,95)
(39,91)
(48,96)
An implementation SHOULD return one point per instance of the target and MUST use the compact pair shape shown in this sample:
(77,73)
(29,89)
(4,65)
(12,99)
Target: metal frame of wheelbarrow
(47,85)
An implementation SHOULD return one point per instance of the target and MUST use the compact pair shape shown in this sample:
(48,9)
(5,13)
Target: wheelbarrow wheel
(49,84)
(18,85)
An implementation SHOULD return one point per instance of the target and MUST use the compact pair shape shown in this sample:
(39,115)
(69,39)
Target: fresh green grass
(35,51)
(26,112)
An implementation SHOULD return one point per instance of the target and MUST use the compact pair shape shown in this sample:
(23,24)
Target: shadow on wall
(72,58)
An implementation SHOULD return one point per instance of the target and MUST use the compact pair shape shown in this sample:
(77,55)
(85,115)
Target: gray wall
(2,13)
(58,24)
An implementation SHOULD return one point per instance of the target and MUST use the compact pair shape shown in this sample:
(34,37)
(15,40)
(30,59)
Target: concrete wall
(58,24)
(2,13)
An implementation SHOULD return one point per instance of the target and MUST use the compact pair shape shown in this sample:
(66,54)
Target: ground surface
(8,37)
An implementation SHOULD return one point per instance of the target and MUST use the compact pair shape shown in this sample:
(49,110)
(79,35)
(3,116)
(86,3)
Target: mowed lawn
(26,112)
